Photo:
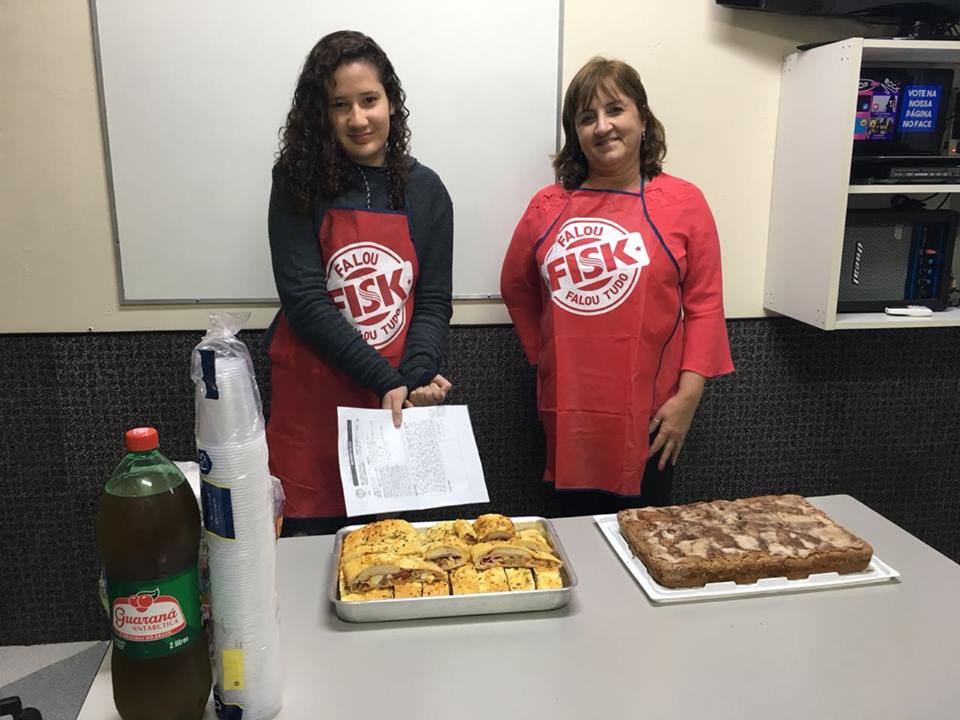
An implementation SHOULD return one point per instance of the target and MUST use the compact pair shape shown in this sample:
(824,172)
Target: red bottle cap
(141,439)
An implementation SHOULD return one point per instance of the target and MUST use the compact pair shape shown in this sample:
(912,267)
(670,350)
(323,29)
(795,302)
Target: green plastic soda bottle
(148,536)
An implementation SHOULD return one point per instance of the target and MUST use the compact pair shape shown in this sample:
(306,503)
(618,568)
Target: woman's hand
(393,401)
(672,420)
(433,394)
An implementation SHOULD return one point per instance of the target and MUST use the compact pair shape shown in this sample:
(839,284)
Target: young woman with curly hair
(361,239)
(612,279)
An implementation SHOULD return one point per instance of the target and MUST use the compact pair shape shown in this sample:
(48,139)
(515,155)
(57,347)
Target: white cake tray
(877,572)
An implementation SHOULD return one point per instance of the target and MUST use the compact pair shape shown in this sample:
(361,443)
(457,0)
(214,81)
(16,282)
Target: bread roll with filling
(507,554)
(387,570)
(408,589)
(465,531)
(393,535)
(533,539)
(378,594)
(438,532)
(493,580)
(463,580)
(548,579)
(520,579)
(441,587)
(493,527)
(448,553)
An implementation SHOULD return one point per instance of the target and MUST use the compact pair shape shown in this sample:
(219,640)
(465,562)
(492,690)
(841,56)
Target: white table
(886,651)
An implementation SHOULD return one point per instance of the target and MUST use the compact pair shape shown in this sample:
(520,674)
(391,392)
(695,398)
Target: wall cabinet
(811,180)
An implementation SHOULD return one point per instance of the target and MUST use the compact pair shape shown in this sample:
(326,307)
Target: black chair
(12,707)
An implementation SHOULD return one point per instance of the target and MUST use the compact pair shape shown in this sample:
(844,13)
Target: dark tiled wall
(875,414)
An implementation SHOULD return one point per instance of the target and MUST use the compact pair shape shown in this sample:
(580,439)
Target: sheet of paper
(430,461)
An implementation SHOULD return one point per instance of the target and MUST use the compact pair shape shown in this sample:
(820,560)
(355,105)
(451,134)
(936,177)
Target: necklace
(366,185)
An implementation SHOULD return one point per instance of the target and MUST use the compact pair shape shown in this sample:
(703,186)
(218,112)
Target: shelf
(917,51)
(811,192)
(903,189)
(878,320)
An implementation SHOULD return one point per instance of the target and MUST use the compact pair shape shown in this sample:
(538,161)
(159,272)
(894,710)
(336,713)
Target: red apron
(611,316)
(371,269)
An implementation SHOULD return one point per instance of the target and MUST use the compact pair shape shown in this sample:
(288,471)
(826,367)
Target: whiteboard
(193,93)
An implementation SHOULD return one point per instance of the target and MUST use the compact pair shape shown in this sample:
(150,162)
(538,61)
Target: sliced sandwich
(465,532)
(440,531)
(385,536)
(533,539)
(463,580)
(508,554)
(376,594)
(411,589)
(381,570)
(460,530)
(548,579)
(520,579)
(448,553)
(493,527)
(492,580)
(440,587)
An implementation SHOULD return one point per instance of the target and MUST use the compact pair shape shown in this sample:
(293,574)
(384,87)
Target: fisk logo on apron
(372,269)
(614,308)
(370,285)
(593,265)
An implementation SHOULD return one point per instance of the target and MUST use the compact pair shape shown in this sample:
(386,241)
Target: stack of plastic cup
(239,518)
(232,413)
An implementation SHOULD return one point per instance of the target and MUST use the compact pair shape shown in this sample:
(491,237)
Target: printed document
(430,461)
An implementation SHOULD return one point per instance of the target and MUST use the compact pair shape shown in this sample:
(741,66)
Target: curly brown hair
(312,163)
(601,75)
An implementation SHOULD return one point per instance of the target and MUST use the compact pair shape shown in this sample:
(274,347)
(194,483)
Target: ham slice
(504,554)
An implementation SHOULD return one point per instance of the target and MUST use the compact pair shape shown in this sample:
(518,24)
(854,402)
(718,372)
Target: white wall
(712,74)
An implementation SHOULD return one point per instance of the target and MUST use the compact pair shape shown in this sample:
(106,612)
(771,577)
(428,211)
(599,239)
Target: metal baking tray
(877,572)
(452,605)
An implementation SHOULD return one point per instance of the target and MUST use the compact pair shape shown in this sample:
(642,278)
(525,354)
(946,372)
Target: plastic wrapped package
(240,501)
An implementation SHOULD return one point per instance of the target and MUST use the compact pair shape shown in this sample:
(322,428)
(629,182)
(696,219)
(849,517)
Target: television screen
(901,111)
(914,18)
(869,10)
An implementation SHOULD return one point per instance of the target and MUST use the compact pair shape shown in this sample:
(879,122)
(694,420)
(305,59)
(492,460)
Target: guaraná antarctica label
(155,617)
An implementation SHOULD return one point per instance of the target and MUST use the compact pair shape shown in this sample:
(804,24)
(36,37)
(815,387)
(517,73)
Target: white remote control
(910,310)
